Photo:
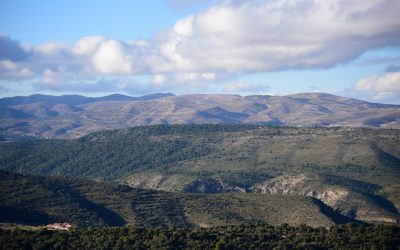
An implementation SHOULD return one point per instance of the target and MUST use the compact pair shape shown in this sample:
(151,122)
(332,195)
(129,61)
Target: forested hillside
(41,200)
(355,171)
(213,150)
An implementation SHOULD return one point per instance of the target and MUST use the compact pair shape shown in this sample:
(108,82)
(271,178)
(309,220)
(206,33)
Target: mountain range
(199,160)
(72,116)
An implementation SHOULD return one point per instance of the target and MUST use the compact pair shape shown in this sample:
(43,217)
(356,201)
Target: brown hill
(47,117)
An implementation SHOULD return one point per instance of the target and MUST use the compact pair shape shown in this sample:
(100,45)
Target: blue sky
(191,46)
(36,22)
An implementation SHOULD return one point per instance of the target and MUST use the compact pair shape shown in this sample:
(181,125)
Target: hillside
(352,170)
(352,198)
(74,116)
(41,200)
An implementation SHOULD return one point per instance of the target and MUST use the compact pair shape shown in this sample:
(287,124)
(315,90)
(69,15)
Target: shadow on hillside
(110,217)
(383,203)
(24,216)
(335,216)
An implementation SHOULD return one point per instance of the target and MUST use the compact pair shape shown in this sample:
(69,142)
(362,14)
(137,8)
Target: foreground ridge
(350,236)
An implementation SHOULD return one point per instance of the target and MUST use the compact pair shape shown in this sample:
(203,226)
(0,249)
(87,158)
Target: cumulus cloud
(186,82)
(12,50)
(14,71)
(255,36)
(230,38)
(380,87)
(55,63)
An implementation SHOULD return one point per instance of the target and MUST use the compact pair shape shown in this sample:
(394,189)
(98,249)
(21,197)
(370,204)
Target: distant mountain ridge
(71,116)
(74,99)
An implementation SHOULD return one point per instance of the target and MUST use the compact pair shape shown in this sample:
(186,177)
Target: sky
(274,47)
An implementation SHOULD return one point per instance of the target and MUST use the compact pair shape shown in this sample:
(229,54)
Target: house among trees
(59,226)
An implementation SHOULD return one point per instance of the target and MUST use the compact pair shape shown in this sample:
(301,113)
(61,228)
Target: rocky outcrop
(181,183)
(156,182)
(349,202)
(209,186)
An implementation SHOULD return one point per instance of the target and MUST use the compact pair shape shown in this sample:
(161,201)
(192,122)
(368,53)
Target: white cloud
(14,71)
(184,26)
(194,77)
(87,58)
(112,58)
(230,38)
(88,45)
(54,77)
(238,36)
(50,49)
(159,79)
(380,87)
(389,82)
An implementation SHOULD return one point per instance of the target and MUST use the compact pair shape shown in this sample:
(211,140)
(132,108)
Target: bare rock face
(349,202)
(330,197)
(53,116)
(211,185)
(180,183)
(204,186)
(155,182)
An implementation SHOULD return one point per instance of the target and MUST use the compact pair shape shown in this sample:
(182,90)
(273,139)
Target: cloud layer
(230,38)
(381,87)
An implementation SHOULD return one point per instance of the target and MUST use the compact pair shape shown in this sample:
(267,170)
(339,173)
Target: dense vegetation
(42,200)
(348,236)
(112,154)
(220,151)
(357,170)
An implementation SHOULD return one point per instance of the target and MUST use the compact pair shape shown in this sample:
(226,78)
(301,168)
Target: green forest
(246,154)
(39,201)
(349,236)
(204,187)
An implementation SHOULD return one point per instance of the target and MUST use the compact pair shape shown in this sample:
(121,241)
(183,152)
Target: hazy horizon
(185,94)
(98,48)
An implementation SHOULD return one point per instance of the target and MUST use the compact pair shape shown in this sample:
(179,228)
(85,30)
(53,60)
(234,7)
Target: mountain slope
(38,200)
(352,198)
(362,164)
(74,116)
(211,151)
